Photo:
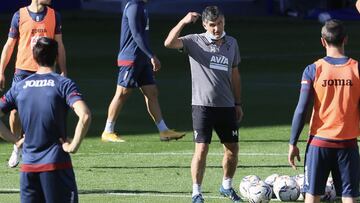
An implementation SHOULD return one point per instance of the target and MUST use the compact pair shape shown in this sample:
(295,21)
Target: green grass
(274,53)
(160,171)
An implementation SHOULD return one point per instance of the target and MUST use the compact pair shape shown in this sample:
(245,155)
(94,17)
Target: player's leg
(65,189)
(151,93)
(227,130)
(198,165)
(309,198)
(15,128)
(202,125)
(15,124)
(348,200)
(125,83)
(118,101)
(14,121)
(346,174)
(318,162)
(148,87)
(229,162)
(30,188)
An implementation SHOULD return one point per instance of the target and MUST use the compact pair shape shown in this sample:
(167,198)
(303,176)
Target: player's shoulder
(197,37)
(230,38)
(21,84)
(22,10)
(310,67)
(193,37)
(310,71)
(61,79)
(16,15)
(58,79)
(353,61)
(134,3)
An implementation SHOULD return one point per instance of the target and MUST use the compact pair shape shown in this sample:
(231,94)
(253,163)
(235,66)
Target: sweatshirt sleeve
(306,95)
(135,14)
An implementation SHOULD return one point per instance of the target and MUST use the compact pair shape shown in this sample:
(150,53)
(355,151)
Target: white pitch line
(9,190)
(176,154)
(169,195)
(167,154)
(161,195)
(128,194)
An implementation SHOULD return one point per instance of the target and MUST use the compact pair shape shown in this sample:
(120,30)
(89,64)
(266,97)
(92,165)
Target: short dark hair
(45,51)
(211,13)
(333,32)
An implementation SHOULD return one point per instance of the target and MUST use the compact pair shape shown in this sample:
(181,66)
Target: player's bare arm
(61,60)
(293,152)
(155,63)
(172,41)
(358,5)
(84,115)
(5,58)
(236,87)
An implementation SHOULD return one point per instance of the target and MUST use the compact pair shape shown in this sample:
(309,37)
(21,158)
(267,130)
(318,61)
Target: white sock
(226,183)
(196,189)
(162,126)
(109,126)
(15,148)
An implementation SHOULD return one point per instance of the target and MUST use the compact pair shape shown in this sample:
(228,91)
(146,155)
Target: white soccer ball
(259,193)
(286,189)
(245,183)
(330,193)
(270,181)
(300,182)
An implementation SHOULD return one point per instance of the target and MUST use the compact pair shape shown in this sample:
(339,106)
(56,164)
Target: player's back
(337,97)
(41,100)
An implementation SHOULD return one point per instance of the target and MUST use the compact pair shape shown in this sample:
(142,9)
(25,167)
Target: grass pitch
(146,170)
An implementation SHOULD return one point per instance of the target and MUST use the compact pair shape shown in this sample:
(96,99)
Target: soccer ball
(259,193)
(300,182)
(286,189)
(330,193)
(270,181)
(245,183)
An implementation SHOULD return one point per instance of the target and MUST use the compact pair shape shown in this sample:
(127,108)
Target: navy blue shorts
(57,186)
(343,163)
(137,75)
(20,75)
(221,119)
